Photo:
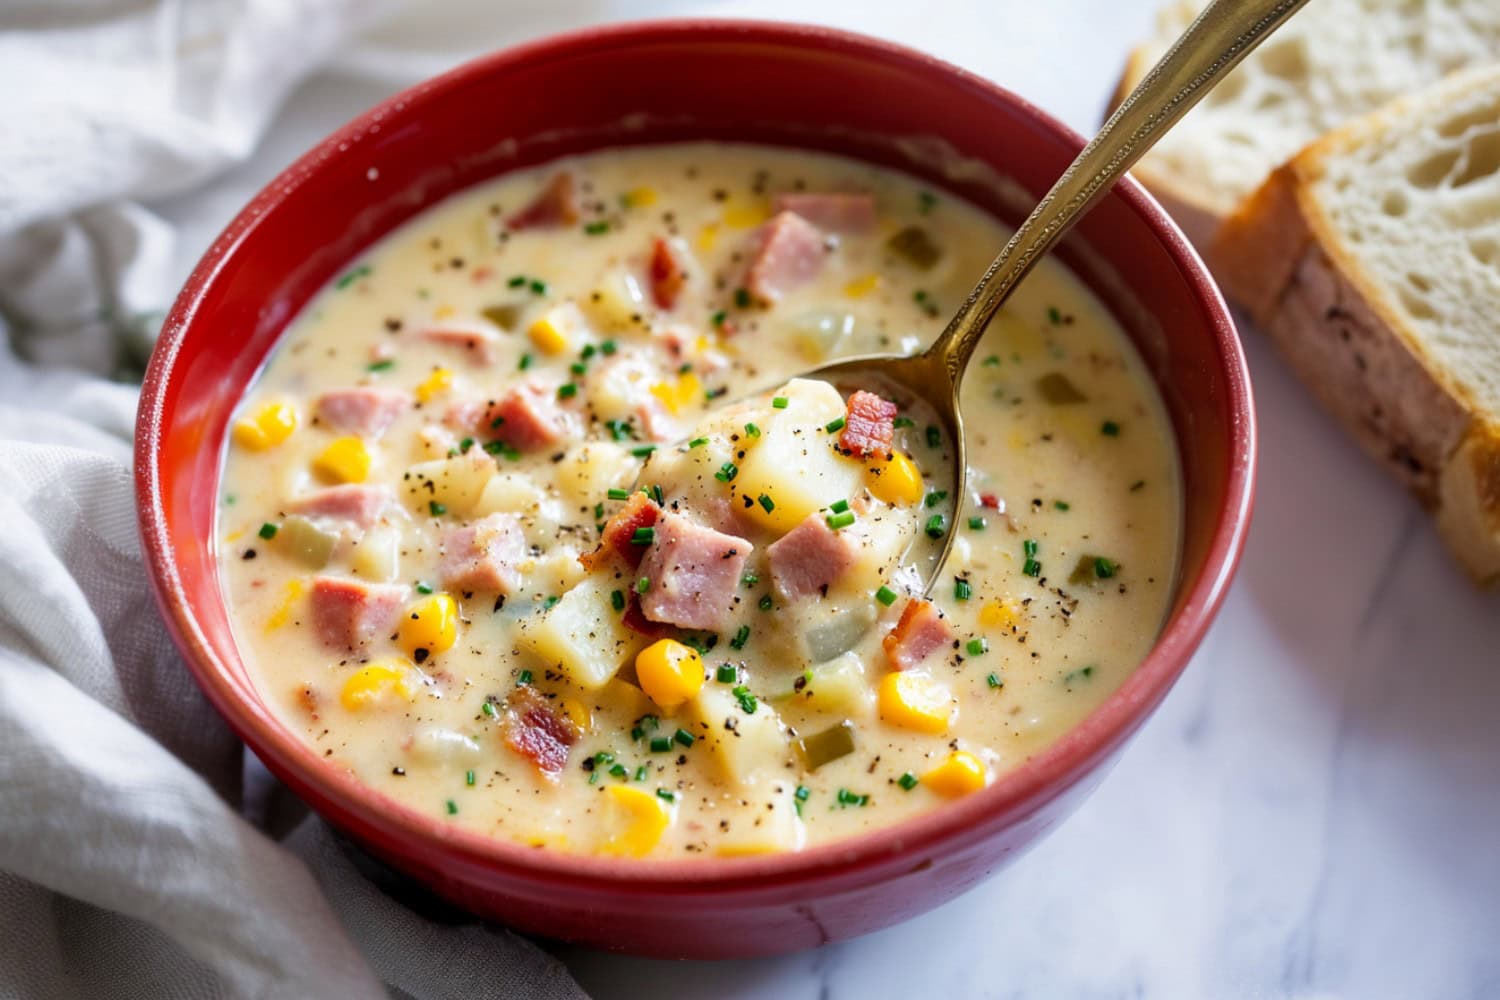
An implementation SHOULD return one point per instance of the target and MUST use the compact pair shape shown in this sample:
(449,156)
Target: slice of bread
(1372,258)
(1334,60)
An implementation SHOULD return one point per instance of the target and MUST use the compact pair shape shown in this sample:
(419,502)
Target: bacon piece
(528,417)
(555,205)
(991,501)
(669,271)
(833,212)
(535,730)
(869,426)
(807,559)
(640,511)
(477,341)
(364,410)
(485,555)
(354,502)
(790,254)
(635,619)
(694,573)
(347,613)
(919,633)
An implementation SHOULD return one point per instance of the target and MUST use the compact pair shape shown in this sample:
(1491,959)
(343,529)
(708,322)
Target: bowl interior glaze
(651,83)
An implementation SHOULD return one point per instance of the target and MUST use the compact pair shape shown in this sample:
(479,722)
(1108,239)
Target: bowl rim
(1008,800)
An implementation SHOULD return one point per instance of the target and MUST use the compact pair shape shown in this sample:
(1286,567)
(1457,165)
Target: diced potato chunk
(839,687)
(588,471)
(457,483)
(756,742)
(794,462)
(763,830)
(377,554)
(616,303)
(621,386)
(508,492)
(582,634)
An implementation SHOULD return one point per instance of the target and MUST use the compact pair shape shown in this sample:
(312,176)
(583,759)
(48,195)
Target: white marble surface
(1312,813)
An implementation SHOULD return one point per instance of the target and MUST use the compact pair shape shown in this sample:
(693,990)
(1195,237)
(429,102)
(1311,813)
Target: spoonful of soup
(822,443)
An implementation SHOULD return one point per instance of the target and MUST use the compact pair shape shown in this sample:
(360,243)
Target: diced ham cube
(477,341)
(810,557)
(529,418)
(869,426)
(919,633)
(346,613)
(694,573)
(556,205)
(354,502)
(640,511)
(537,731)
(832,212)
(790,255)
(363,410)
(485,555)
(669,271)
(635,619)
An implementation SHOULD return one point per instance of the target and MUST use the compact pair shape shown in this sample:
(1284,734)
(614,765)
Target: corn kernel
(745,216)
(641,197)
(346,460)
(430,624)
(271,425)
(374,685)
(444,312)
(708,237)
(915,701)
(861,287)
(577,714)
(897,481)
(960,773)
(1000,614)
(679,395)
(439,382)
(636,820)
(278,618)
(548,335)
(670,673)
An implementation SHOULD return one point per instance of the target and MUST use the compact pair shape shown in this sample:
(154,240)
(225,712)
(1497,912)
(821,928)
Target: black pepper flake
(249,554)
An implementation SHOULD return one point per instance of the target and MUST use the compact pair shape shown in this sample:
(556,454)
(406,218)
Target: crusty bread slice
(1372,258)
(1334,60)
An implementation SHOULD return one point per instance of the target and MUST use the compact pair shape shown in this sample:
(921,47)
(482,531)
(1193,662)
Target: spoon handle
(1226,32)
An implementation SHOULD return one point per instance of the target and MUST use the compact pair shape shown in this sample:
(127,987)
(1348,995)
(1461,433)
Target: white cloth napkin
(133,863)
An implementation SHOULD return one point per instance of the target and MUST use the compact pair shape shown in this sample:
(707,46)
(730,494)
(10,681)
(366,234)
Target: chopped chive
(589,350)
(617,600)
(381,366)
(718,318)
(642,450)
(1105,568)
(848,798)
(765,602)
(937,526)
(578,368)
(643,536)
(1053,316)
(597,228)
(424,588)
(488,709)
(640,773)
(1031,568)
(934,498)
(742,298)
(977,647)
(901,422)
(800,796)
(684,368)
(698,442)
(436,509)
(715,393)
(767,503)
(656,495)
(741,636)
(1109,429)
(926,201)
(834,425)
(267,531)
(745,698)
(976,524)
(524,677)
(839,506)
(837,521)
(524,363)
(779,402)
(615,493)
(465,445)
(992,361)
(452,808)
(1029,547)
(619,771)
(567,390)
(469,777)
(885,595)
(517,281)
(684,737)
(907,781)
(727,673)
(607,347)
(538,286)
(727,472)
(661,744)
(961,589)
(642,585)
(934,436)
(353,276)
(994,681)
(662,793)
(1062,505)
(752,431)
(749,579)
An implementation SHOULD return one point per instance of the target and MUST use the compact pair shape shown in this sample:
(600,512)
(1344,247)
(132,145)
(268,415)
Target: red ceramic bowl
(648,83)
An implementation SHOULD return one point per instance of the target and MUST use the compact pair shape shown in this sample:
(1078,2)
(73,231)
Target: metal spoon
(1223,34)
